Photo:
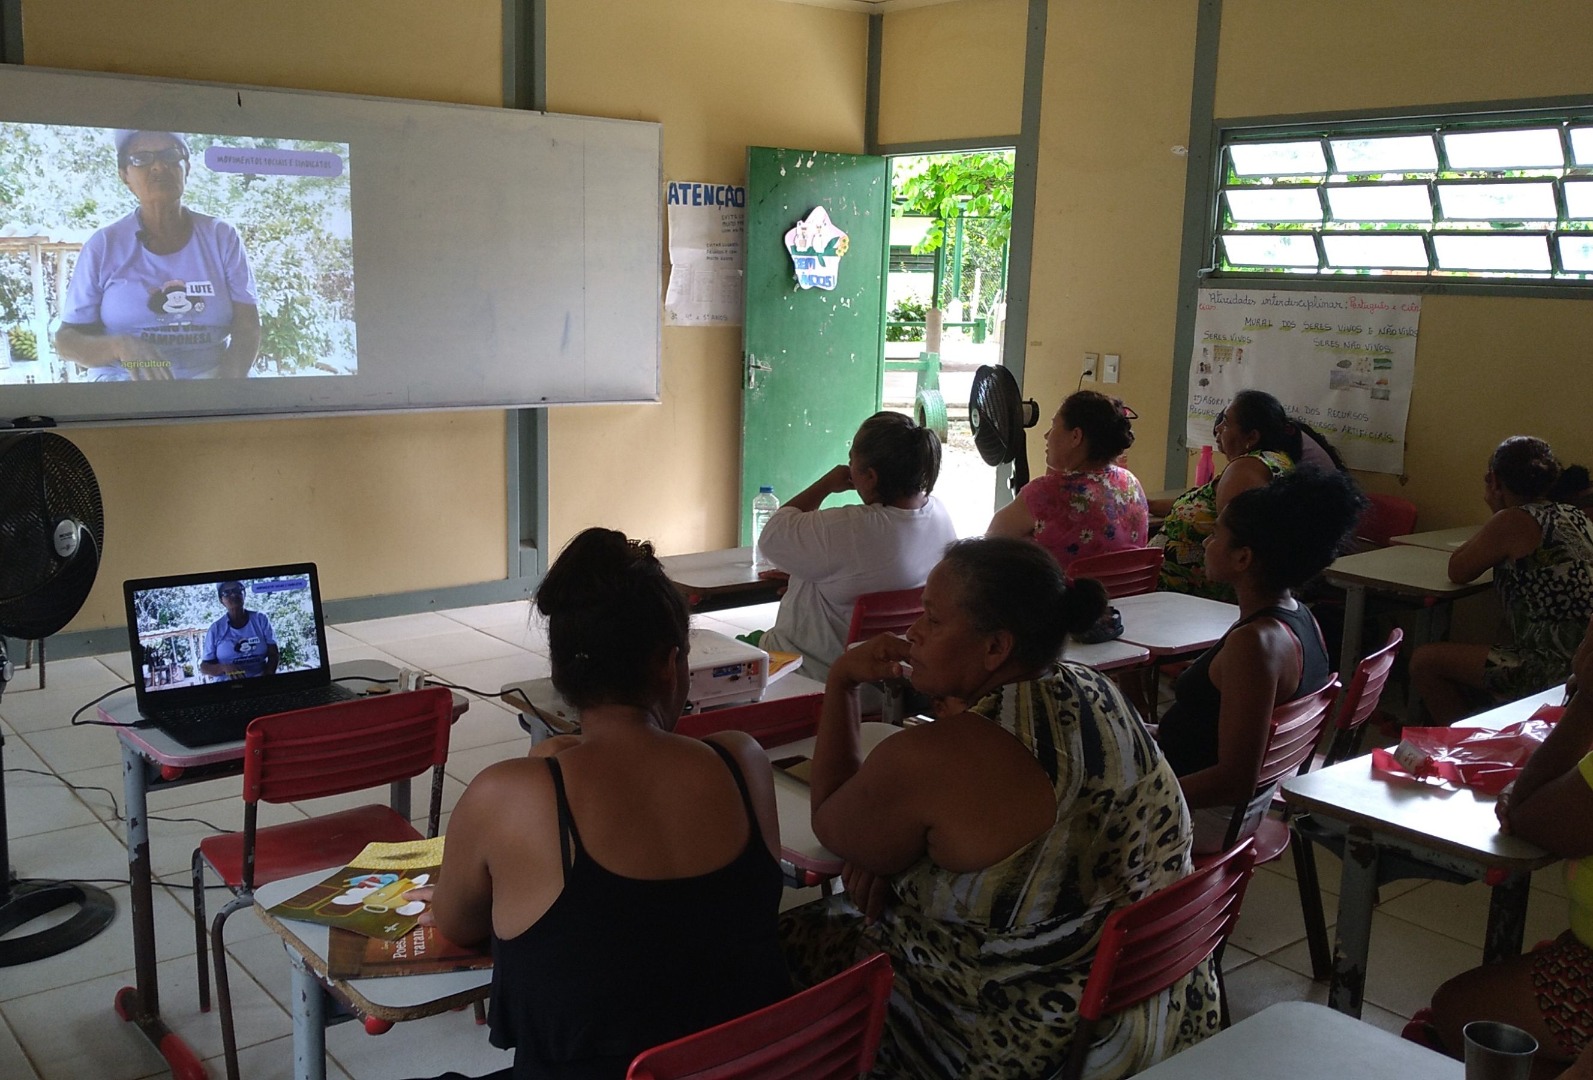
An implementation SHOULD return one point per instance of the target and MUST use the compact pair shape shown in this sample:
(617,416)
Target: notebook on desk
(214,650)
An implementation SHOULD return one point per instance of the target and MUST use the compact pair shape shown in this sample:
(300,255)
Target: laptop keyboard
(226,721)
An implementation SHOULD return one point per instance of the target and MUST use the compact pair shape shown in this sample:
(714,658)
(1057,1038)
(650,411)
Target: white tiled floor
(56,1018)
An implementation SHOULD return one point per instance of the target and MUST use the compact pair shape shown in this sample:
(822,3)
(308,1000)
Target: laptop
(212,651)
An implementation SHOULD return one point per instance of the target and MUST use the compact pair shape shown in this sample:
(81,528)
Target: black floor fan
(998,415)
(51,529)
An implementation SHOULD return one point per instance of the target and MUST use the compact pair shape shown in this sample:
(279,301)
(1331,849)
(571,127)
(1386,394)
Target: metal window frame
(1564,113)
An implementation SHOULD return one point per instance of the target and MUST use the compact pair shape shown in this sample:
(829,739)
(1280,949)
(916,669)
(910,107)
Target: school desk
(1435,825)
(153,760)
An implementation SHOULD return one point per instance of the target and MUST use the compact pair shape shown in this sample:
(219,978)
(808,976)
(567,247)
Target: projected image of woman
(165,292)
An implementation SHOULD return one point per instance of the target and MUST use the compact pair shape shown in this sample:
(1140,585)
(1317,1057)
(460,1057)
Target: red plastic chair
(1157,940)
(772,722)
(1357,703)
(1124,573)
(1385,517)
(828,1032)
(1297,727)
(885,613)
(309,754)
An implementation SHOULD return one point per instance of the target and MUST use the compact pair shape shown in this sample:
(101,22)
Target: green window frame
(1499,199)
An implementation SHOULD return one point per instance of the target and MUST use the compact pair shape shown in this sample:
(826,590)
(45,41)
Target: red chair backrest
(1296,728)
(1124,573)
(1386,516)
(831,1030)
(1157,940)
(772,722)
(349,746)
(885,613)
(1360,698)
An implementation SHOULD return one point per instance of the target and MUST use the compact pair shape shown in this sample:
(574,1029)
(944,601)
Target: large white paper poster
(1342,362)
(707,240)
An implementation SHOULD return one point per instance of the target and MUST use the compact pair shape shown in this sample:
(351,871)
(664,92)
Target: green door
(812,358)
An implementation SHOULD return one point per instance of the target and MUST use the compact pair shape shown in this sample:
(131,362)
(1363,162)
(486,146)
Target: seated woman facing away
(628,878)
(1084,504)
(1260,443)
(985,850)
(1541,552)
(836,555)
(1269,541)
(1546,992)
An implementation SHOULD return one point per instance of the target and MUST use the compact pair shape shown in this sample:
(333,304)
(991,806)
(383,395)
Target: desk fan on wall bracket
(998,414)
(52,526)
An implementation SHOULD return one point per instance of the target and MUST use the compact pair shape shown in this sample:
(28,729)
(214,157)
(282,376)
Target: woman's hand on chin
(882,657)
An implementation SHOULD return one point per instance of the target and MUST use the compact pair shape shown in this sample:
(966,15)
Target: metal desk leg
(398,798)
(141,1003)
(1354,617)
(309,1021)
(1353,935)
(1507,919)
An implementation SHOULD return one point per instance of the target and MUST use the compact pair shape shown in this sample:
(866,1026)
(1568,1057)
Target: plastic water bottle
(763,508)
(1204,467)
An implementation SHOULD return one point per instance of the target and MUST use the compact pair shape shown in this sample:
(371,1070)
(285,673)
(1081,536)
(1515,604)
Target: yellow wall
(384,504)
(1486,367)
(952,71)
(719,75)
(1109,205)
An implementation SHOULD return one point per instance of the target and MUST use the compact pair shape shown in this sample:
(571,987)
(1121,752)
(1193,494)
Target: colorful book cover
(367,896)
(422,951)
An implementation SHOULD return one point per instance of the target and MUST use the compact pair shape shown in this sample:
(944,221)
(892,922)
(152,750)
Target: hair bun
(1082,605)
(593,569)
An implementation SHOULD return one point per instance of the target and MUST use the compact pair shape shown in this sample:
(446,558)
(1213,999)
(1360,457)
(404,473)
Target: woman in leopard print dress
(986,850)
(1540,548)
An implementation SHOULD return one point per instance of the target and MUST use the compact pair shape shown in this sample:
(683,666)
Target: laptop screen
(200,637)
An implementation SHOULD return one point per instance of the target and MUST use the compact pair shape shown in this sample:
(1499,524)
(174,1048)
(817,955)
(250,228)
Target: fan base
(30,900)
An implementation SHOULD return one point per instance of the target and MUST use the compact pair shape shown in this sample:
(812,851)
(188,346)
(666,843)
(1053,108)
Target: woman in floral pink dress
(1084,504)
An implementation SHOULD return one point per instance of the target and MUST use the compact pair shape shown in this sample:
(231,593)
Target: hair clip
(1128,413)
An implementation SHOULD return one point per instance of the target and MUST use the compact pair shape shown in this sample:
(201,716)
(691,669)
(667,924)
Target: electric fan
(998,415)
(51,528)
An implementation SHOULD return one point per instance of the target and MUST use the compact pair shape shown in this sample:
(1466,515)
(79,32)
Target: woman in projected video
(163,293)
(240,644)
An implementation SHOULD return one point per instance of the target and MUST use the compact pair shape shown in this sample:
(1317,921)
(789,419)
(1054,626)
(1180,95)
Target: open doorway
(951,219)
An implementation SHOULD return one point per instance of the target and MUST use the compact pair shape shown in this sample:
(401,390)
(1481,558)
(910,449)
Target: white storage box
(724,671)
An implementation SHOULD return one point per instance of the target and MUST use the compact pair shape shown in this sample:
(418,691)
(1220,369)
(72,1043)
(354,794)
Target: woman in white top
(834,556)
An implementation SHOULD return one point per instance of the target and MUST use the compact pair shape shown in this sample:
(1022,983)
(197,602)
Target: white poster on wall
(707,244)
(1342,362)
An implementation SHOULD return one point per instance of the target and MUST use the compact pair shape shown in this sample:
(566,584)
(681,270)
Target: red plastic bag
(1481,759)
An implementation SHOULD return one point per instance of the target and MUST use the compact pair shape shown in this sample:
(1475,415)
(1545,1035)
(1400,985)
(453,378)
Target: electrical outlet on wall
(1092,364)
(1110,368)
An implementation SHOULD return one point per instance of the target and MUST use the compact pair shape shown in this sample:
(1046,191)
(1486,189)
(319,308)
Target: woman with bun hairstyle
(1260,443)
(627,878)
(1084,504)
(834,556)
(984,851)
(1540,549)
(1268,542)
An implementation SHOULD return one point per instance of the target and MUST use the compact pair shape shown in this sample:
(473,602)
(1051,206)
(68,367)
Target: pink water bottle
(1203,467)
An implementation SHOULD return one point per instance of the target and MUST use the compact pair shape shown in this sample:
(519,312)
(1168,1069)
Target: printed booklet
(367,896)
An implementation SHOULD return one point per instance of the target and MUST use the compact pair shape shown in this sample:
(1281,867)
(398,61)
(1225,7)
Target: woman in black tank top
(1269,541)
(627,878)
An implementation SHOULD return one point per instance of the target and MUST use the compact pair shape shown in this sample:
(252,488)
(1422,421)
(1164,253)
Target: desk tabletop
(1438,539)
(1306,1042)
(1405,570)
(1432,816)
(1105,655)
(1167,623)
(395,997)
(152,743)
(713,571)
